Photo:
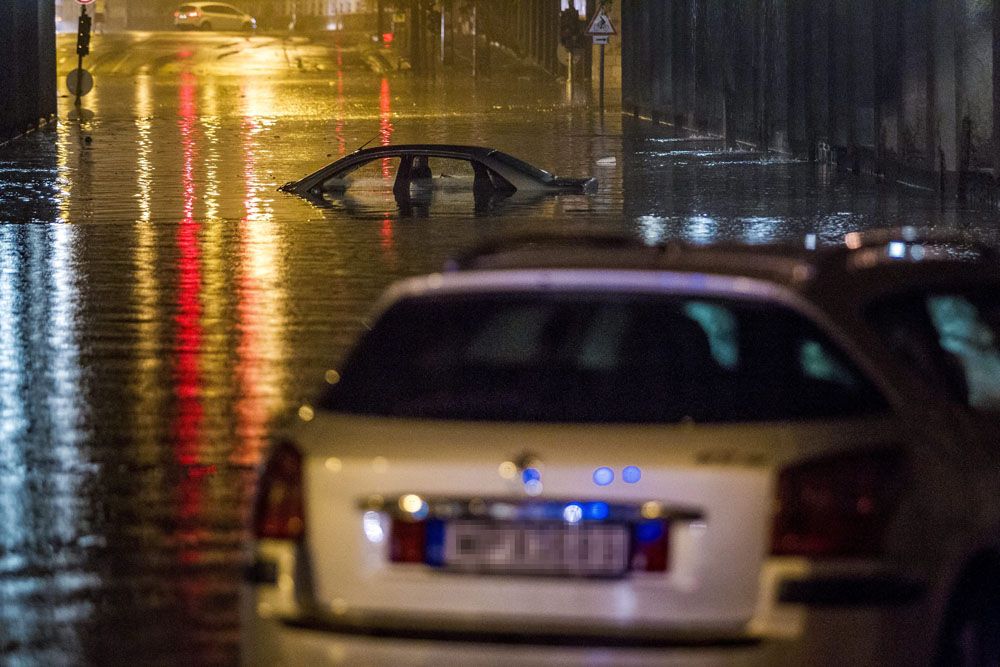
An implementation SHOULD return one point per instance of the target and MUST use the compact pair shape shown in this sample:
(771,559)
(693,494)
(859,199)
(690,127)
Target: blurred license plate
(556,549)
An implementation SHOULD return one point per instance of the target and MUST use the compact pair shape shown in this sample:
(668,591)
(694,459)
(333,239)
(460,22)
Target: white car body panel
(721,583)
(390,461)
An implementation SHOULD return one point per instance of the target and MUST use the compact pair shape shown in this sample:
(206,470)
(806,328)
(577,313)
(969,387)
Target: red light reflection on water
(187,376)
(385,124)
(189,412)
(385,133)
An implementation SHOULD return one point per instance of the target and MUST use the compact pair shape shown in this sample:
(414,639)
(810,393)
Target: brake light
(407,542)
(278,510)
(837,506)
(650,546)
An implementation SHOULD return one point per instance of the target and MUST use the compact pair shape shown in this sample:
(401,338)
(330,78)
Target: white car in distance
(212,16)
(610,453)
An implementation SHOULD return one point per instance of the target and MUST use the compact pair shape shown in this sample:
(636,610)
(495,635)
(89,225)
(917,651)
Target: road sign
(600,39)
(85,78)
(601,24)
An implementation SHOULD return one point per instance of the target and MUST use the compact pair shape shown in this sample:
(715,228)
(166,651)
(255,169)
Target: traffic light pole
(475,38)
(601,80)
(82,49)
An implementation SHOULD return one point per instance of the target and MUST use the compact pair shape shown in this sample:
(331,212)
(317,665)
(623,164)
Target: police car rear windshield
(597,358)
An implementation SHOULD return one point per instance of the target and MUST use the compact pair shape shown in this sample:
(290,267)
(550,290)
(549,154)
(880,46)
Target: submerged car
(212,16)
(594,451)
(410,171)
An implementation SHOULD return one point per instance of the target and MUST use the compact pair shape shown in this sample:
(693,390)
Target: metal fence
(28,73)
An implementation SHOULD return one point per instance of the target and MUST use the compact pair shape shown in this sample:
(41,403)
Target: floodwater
(161,304)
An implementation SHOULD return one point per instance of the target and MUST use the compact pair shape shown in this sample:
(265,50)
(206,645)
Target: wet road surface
(161,304)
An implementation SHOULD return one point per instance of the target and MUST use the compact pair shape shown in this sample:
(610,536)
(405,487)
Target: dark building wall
(528,28)
(28,76)
(902,88)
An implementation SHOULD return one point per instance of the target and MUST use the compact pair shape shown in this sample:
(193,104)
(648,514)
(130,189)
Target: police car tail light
(650,547)
(278,510)
(407,541)
(838,506)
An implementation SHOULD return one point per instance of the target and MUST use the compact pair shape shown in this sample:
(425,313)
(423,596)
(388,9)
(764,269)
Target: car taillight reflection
(837,506)
(278,511)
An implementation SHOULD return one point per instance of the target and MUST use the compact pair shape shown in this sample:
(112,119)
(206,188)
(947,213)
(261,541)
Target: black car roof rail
(502,244)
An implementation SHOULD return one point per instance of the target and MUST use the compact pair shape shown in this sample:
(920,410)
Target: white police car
(599,452)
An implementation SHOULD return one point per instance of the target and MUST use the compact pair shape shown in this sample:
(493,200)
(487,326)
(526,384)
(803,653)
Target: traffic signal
(83,36)
(570,28)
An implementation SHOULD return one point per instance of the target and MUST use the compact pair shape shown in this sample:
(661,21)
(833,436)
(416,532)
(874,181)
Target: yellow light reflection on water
(261,293)
(63,182)
(338,130)
(145,284)
(144,145)
(215,263)
(209,115)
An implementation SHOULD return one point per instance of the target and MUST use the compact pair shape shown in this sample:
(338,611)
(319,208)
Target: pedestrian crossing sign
(601,24)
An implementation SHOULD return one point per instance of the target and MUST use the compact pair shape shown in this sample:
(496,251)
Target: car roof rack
(542,240)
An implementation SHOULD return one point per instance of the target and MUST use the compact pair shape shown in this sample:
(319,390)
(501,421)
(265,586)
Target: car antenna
(367,142)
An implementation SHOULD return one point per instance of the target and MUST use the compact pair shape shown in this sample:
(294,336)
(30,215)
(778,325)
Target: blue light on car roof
(597,511)
(531,475)
(604,476)
(631,474)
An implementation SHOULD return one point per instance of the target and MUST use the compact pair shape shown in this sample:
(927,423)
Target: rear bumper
(272,642)
(831,636)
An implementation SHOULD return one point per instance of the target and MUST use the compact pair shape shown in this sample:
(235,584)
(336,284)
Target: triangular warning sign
(601,24)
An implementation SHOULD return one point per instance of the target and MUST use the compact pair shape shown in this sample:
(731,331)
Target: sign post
(77,80)
(601,29)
